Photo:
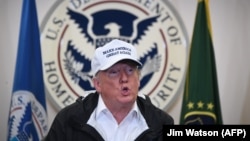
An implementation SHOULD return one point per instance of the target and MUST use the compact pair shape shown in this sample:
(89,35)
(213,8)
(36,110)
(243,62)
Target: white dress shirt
(129,128)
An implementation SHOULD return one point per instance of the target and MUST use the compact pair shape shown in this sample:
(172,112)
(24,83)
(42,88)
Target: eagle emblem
(107,25)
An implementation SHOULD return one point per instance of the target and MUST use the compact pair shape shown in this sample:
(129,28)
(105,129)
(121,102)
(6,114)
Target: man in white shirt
(115,111)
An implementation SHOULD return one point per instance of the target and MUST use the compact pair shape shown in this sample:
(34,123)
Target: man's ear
(96,84)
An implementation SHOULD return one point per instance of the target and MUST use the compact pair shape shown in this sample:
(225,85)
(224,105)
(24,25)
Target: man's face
(119,84)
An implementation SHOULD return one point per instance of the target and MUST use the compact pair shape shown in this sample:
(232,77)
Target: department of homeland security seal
(28,118)
(74,29)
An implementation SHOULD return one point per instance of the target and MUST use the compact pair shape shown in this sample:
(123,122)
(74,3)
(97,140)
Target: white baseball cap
(111,53)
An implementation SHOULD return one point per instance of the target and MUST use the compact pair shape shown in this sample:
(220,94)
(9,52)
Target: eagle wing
(82,22)
(143,26)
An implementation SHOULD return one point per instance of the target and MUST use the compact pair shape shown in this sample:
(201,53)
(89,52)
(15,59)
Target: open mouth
(125,90)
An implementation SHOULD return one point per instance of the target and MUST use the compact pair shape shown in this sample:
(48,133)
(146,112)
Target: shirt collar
(101,108)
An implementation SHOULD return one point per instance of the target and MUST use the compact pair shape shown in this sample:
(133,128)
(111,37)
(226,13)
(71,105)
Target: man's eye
(129,70)
(113,73)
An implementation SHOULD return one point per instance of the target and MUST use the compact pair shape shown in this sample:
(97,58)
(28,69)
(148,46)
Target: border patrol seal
(73,29)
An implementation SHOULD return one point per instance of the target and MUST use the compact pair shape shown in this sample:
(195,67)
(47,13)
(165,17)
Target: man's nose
(123,76)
